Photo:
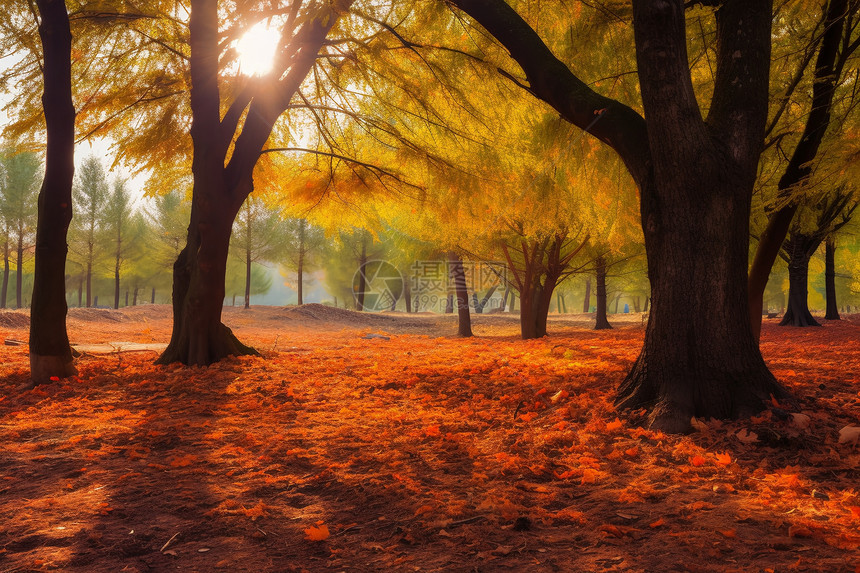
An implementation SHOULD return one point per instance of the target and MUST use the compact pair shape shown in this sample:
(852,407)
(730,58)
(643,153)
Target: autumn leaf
(659,523)
(729,533)
(614,425)
(849,435)
(723,459)
(697,461)
(746,436)
(317,533)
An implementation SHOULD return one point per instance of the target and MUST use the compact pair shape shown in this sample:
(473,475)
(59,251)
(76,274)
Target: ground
(414,451)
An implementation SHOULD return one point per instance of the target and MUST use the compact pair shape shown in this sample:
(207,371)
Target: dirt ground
(382,443)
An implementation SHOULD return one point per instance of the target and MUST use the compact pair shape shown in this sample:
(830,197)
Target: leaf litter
(346,453)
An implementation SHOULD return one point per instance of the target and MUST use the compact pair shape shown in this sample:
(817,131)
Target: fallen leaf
(314,533)
(746,436)
(699,425)
(849,435)
(697,461)
(800,420)
(612,426)
(729,533)
(723,459)
(558,396)
(659,523)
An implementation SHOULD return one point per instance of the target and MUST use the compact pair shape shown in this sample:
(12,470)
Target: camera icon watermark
(377,286)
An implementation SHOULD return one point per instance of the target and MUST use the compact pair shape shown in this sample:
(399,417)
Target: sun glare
(257,50)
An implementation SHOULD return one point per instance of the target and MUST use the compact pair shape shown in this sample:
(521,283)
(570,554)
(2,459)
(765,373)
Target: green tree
(258,235)
(123,232)
(88,224)
(19,181)
(303,250)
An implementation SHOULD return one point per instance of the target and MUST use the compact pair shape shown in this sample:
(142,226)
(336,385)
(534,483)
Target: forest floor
(413,451)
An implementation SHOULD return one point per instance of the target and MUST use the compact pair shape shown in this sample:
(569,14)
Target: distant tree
(258,235)
(90,195)
(122,232)
(19,184)
(302,251)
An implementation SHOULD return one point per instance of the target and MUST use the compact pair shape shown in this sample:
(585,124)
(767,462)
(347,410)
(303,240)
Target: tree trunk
(480,306)
(19,276)
(513,304)
(152,299)
(464,320)
(301,279)
(600,269)
(248,278)
(830,279)
(134,296)
(407,294)
(586,304)
(505,299)
(116,287)
(797,313)
(636,306)
(362,278)
(300,271)
(5,288)
(449,303)
(647,304)
(89,276)
(617,300)
(199,337)
(50,353)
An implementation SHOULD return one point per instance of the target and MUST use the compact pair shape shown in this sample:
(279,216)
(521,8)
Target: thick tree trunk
(586,303)
(5,290)
(830,279)
(464,320)
(50,353)
(602,322)
(248,278)
(797,313)
(19,276)
(199,337)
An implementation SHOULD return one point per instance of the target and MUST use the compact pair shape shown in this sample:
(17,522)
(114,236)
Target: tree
(122,234)
(221,185)
(91,196)
(50,353)
(258,235)
(19,180)
(695,177)
(458,274)
(835,47)
(302,250)
(829,215)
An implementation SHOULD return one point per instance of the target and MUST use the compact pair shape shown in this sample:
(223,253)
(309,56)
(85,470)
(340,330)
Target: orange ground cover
(335,452)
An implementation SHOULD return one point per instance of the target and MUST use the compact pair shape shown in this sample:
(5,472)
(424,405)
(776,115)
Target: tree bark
(152,299)
(602,322)
(116,283)
(134,297)
(830,279)
(797,313)
(449,303)
(586,303)
(50,353)
(464,320)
